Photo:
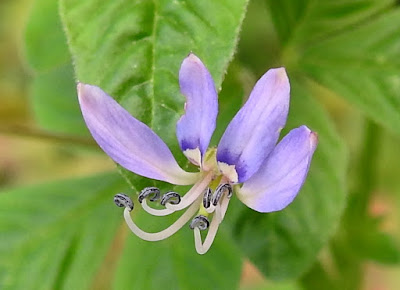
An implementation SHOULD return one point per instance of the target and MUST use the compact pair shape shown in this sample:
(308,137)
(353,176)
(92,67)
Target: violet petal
(254,131)
(280,178)
(195,128)
(129,142)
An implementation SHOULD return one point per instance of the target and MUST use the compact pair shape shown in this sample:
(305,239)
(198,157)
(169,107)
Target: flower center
(206,204)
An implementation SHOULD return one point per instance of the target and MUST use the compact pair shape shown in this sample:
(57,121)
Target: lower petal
(280,178)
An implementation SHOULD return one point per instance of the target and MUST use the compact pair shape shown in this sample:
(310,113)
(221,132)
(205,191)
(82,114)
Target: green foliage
(56,235)
(362,69)
(53,93)
(305,22)
(356,63)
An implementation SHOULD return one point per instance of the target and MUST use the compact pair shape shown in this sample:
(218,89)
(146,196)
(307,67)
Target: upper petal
(254,131)
(280,178)
(196,126)
(128,141)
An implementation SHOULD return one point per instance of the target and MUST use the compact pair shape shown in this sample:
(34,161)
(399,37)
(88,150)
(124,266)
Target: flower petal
(254,131)
(128,141)
(196,126)
(281,176)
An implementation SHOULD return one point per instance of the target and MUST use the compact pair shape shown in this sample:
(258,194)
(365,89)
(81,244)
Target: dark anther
(200,222)
(221,189)
(207,198)
(171,197)
(153,193)
(122,200)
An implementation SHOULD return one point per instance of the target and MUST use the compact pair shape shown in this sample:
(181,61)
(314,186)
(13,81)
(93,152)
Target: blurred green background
(343,56)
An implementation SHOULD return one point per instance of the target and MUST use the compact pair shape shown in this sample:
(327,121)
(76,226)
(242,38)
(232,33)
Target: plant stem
(367,170)
(25,131)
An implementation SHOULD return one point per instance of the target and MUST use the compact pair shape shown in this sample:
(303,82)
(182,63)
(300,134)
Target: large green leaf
(53,93)
(133,50)
(284,244)
(56,235)
(350,47)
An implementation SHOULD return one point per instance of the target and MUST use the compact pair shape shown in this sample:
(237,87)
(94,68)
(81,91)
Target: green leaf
(56,235)
(306,21)
(284,244)
(363,66)
(53,92)
(349,47)
(133,50)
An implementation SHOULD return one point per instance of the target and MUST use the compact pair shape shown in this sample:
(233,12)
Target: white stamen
(155,212)
(212,232)
(192,194)
(172,229)
(211,208)
(186,200)
(224,208)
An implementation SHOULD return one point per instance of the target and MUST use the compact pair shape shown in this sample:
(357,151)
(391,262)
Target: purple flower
(270,174)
